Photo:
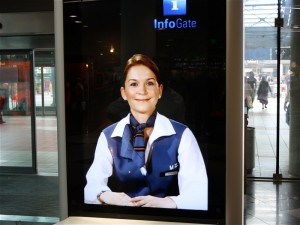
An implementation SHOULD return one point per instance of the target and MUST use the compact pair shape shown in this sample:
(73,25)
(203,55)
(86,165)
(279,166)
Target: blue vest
(162,169)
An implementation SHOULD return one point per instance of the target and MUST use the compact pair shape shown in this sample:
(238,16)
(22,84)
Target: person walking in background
(263,92)
(248,95)
(146,159)
(286,106)
(252,81)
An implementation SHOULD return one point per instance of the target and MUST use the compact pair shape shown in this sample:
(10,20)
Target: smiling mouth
(142,100)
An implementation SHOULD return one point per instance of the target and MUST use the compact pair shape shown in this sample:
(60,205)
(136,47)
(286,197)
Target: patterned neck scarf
(138,131)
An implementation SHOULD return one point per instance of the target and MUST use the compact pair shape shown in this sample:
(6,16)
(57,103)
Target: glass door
(17,127)
(272,82)
(44,79)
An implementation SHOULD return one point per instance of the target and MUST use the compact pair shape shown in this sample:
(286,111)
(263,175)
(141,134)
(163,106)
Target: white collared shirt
(192,176)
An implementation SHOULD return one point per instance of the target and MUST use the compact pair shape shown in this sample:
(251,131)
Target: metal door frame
(33,168)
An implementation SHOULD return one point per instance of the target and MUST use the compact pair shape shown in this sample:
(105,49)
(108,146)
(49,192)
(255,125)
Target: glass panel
(269,132)
(17,118)
(44,91)
(49,91)
(261,75)
(45,83)
(293,90)
(39,104)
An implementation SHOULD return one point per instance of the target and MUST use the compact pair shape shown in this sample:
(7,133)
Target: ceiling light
(112,49)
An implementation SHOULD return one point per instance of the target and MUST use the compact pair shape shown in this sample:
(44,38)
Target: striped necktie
(138,131)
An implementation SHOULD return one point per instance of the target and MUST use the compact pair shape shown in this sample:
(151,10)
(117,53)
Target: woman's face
(141,90)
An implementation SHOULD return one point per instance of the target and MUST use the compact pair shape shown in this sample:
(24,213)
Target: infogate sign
(174,8)
(178,23)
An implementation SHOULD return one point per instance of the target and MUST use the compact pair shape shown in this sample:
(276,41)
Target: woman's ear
(160,90)
(122,90)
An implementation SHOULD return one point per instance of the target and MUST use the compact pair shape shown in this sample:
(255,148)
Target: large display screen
(180,47)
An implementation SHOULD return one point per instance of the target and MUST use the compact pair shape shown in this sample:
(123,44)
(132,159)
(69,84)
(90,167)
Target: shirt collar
(162,127)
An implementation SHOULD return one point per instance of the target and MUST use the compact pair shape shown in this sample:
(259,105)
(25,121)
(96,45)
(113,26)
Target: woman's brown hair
(140,59)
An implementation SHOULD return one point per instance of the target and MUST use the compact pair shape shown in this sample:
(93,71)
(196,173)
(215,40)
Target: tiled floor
(272,204)
(268,202)
(264,122)
(14,151)
(27,199)
(265,202)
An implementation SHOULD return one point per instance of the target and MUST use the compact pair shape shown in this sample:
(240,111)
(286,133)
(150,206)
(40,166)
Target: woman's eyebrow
(130,80)
(151,78)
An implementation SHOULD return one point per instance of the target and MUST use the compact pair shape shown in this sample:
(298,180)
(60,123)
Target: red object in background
(2,100)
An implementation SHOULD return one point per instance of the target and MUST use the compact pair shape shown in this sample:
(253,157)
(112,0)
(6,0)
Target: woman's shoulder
(110,128)
(117,127)
(174,123)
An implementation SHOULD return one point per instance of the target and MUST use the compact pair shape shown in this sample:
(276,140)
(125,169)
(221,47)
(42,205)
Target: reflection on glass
(44,82)
(16,110)
(45,90)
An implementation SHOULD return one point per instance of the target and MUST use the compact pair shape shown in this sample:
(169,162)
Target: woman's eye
(150,83)
(133,84)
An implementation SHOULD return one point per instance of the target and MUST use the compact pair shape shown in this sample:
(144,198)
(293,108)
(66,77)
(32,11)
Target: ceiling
(260,13)
(259,23)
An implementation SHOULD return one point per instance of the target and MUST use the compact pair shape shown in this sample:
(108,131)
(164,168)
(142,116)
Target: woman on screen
(146,159)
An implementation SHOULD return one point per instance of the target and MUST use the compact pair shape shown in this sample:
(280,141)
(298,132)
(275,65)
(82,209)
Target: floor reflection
(272,203)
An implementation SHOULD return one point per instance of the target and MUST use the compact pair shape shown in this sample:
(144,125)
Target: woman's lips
(142,100)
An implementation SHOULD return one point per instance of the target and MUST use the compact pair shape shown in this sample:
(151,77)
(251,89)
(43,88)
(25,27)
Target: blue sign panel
(174,7)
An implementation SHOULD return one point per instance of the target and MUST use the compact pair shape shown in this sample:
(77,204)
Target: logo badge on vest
(173,166)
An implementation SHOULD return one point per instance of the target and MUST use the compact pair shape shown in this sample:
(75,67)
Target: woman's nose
(143,89)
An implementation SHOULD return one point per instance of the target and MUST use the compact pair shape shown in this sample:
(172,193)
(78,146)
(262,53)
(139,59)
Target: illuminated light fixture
(73,16)
(78,21)
(112,49)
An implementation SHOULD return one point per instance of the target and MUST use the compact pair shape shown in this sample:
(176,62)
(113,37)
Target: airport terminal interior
(29,168)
